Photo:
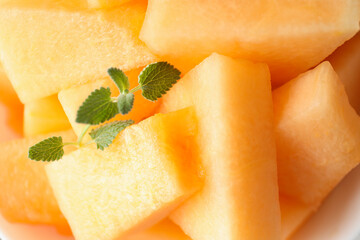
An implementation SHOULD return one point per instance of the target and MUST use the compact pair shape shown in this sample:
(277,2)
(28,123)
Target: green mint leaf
(97,108)
(105,135)
(125,103)
(50,149)
(157,78)
(120,79)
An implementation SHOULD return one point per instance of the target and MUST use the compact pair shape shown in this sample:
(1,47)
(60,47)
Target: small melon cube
(47,50)
(165,230)
(290,36)
(26,195)
(345,61)
(144,175)
(317,133)
(232,99)
(71,99)
(105,3)
(43,116)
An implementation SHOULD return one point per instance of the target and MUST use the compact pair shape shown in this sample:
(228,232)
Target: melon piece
(293,215)
(106,3)
(43,116)
(232,99)
(48,50)
(71,99)
(165,230)
(345,61)
(145,174)
(11,110)
(317,134)
(26,196)
(290,36)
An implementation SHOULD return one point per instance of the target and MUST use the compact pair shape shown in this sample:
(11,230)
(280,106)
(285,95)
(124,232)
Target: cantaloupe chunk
(345,61)
(26,195)
(71,99)
(43,116)
(145,174)
(291,36)
(106,3)
(232,99)
(48,50)
(317,133)
(165,230)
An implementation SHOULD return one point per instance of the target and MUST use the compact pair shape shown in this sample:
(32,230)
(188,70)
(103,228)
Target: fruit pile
(261,127)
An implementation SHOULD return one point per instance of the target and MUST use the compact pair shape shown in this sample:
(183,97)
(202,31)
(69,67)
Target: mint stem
(81,137)
(135,89)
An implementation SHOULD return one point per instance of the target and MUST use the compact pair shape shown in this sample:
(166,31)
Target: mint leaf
(105,135)
(125,103)
(97,108)
(157,78)
(120,79)
(50,149)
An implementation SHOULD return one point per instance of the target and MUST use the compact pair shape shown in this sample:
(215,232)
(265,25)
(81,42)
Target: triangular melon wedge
(317,133)
(290,36)
(232,99)
(345,61)
(318,139)
(44,115)
(47,50)
(26,195)
(149,170)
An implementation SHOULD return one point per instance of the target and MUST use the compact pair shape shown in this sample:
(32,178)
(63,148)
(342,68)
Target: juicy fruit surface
(290,36)
(71,99)
(11,110)
(318,134)
(106,3)
(146,173)
(240,195)
(165,230)
(345,61)
(293,215)
(42,53)
(43,116)
(26,195)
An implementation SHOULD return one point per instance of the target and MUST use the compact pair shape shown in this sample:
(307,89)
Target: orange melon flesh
(11,110)
(232,99)
(47,50)
(106,3)
(26,196)
(165,230)
(71,99)
(293,215)
(43,116)
(290,36)
(345,61)
(144,175)
(317,133)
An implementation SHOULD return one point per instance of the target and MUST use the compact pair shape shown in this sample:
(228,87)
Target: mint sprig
(105,135)
(119,78)
(154,81)
(157,78)
(97,108)
(50,149)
